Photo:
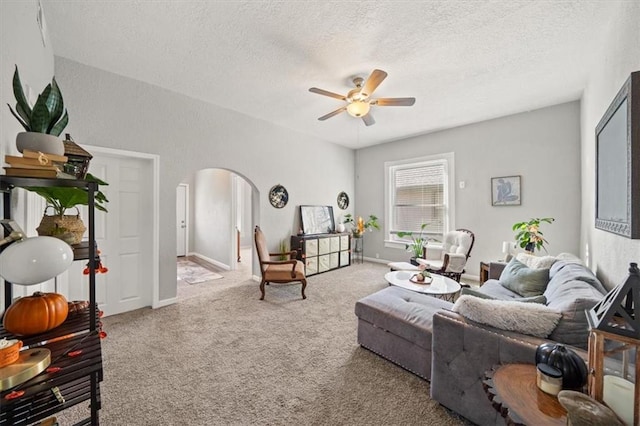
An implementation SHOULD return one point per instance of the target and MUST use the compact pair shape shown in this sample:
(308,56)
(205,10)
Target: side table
(484,272)
(513,392)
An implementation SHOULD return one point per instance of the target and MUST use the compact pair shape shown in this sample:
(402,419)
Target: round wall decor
(278,196)
(343,200)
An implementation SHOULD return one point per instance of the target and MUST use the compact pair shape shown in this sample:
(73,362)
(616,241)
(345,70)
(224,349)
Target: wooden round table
(513,392)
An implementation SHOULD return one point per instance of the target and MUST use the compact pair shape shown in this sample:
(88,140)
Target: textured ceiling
(463,61)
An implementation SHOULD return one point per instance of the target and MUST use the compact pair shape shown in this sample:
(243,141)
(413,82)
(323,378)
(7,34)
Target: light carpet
(222,357)
(192,273)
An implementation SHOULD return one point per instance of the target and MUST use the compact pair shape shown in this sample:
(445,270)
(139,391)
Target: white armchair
(451,259)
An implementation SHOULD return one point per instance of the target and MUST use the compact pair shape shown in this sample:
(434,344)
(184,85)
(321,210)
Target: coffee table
(442,287)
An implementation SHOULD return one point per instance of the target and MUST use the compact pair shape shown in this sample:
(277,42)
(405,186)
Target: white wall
(212,215)
(608,254)
(542,146)
(20,44)
(190,135)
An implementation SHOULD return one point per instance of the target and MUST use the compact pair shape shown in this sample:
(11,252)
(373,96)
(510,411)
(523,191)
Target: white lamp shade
(35,260)
(358,108)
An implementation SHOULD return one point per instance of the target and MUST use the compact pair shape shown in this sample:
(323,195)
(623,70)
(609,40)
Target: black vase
(530,247)
(573,367)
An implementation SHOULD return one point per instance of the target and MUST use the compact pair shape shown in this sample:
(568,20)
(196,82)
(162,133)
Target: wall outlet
(377,256)
(462,184)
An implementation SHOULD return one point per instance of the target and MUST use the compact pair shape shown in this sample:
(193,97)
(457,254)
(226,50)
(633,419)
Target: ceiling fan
(359,99)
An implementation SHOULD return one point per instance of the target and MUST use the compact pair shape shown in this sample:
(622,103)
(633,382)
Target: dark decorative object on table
(77,158)
(278,196)
(573,368)
(343,200)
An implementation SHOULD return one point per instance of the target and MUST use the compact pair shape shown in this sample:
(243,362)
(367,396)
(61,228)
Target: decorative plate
(343,200)
(278,196)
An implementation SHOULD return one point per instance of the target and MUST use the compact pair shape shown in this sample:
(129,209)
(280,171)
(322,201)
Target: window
(419,191)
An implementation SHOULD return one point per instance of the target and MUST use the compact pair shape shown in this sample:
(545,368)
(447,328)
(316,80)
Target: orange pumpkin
(35,314)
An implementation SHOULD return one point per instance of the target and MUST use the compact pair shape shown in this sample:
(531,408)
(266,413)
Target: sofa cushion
(572,290)
(470,291)
(402,312)
(527,318)
(525,281)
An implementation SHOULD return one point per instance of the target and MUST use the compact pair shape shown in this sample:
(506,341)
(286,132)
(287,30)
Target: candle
(549,379)
(617,393)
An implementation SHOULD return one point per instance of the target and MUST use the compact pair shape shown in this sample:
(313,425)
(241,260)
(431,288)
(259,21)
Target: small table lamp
(32,260)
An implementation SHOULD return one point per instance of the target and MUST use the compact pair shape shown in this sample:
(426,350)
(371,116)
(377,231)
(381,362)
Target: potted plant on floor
(43,122)
(417,245)
(59,199)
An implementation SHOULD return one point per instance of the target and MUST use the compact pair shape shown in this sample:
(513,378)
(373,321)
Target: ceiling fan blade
(372,82)
(368,119)
(327,93)
(331,114)
(394,101)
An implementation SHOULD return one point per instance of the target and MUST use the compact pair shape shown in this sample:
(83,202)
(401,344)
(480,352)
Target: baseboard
(256,278)
(211,261)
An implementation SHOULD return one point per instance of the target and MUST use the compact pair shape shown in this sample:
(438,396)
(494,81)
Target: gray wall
(542,146)
(607,254)
(213,223)
(189,135)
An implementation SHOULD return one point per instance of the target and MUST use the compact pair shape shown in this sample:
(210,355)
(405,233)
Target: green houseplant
(67,227)
(358,228)
(418,242)
(528,234)
(43,122)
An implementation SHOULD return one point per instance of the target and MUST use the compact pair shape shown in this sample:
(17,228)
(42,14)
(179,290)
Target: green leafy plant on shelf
(528,234)
(418,242)
(62,198)
(358,228)
(47,115)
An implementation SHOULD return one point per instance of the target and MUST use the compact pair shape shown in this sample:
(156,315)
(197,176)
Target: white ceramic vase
(340,227)
(42,142)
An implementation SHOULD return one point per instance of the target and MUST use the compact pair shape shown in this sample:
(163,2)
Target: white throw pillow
(536,262)
(533,319)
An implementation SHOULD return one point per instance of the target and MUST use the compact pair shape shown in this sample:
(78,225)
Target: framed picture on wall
(505,191)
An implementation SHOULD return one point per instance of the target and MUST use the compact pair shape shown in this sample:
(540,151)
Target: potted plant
(418,243)
(528,234)
(67,227)
(43,122)
(358,228)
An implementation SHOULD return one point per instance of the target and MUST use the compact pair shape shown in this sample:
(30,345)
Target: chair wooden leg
(304,285)
(262,283)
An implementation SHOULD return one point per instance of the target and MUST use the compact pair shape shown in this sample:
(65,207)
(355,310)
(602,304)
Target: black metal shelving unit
(76,354)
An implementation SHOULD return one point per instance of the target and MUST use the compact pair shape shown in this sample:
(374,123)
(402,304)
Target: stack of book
(36,164)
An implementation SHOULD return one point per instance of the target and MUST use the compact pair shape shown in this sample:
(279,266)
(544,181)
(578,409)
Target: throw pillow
(536,262)
(526,318)
(522,280)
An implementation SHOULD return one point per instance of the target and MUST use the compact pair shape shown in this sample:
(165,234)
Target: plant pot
(42,142)
(68,228)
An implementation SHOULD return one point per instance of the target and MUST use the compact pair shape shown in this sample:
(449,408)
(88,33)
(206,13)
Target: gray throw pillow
(520,279)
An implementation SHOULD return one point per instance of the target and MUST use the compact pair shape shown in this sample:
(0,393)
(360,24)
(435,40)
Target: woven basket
(68,228)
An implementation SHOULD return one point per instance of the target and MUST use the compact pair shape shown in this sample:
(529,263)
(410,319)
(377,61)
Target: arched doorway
(216,216)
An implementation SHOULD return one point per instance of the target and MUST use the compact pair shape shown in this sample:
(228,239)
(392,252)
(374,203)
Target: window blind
(419,197)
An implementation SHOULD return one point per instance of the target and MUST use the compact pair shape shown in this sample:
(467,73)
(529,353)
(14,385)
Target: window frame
(449,193)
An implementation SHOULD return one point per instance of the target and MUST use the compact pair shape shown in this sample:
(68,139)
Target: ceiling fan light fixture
(358,108)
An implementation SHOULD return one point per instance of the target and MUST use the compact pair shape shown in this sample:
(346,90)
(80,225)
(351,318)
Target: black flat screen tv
(317,220)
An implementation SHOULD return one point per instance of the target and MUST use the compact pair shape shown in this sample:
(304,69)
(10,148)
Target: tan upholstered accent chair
(451,259)
(277,271)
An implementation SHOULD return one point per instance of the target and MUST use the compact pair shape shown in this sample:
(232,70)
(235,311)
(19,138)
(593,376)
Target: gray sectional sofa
(423,335)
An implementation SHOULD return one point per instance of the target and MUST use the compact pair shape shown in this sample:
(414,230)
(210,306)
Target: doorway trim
(155,194)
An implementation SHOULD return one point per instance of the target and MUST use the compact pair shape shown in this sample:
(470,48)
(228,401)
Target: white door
(124,237)
(181,219)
